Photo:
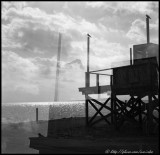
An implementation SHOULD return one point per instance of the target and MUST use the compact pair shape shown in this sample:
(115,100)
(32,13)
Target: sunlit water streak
(26,111)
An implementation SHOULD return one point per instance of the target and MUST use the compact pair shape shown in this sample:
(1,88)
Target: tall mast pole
(147,28)
(87,80)
(88,75)
(88,42)
(56,96)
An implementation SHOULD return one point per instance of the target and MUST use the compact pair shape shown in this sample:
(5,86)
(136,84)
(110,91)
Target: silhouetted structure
(138,80)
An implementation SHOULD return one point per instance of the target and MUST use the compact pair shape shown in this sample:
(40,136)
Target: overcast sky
(30,39)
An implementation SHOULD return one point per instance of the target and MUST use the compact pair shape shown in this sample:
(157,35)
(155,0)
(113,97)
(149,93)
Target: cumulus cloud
(33,31)
(129,7)
(137,31)
(30,41)
(18,73)
(77,61)
(95,4)
(137,7)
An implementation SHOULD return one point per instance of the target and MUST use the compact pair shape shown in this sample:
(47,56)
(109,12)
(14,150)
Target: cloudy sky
(30,42)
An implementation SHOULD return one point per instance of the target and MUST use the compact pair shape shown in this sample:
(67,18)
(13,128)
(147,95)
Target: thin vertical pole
(149,114)
(87,78)
(86,109)
(112,102)
(88,75)
(88,43)
(115,110)
(140,113)
(97,84)
(130,56)
(57,70)
(147,28)
(97,80)
(37,115)
(86,100)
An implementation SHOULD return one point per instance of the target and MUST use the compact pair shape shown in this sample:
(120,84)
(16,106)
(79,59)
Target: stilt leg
(86,109)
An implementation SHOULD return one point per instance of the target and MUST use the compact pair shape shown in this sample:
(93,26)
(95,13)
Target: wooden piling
(149,114)
(37,115)
(86,109)
(131,56)
(97,84)
(140,113)
(112,103)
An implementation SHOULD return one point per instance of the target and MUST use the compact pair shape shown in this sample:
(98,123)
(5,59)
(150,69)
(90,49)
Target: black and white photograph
(79,77)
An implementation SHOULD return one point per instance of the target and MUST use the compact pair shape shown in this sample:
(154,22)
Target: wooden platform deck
(95,89)
(122,91)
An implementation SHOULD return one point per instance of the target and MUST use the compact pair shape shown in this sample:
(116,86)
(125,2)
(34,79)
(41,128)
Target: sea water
(26,111)
(15,138)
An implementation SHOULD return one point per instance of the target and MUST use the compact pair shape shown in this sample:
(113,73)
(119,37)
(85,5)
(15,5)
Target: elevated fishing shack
(138,80)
